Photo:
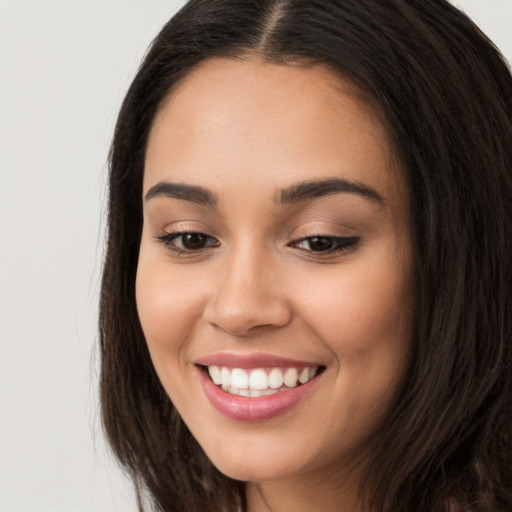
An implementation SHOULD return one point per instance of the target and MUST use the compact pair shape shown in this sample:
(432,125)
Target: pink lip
(242,408)
(260,360)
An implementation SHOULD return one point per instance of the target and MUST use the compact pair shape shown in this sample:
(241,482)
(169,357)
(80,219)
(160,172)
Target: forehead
(255,122)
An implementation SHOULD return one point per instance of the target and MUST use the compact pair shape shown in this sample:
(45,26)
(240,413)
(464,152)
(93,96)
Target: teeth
(264,392)
(304,376)
(215,374)
(259,382)
(275,378)
(240,379)
(290,377)
(225,376)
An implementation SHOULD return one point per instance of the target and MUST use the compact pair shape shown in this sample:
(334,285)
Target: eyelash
(340,244)
(168,238)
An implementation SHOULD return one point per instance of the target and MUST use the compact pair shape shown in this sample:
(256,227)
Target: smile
(260,381)
(256,387)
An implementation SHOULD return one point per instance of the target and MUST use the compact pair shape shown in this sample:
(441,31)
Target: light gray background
(64,67)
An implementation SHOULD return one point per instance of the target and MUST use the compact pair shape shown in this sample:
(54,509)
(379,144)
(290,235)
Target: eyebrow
(192,193)
(319,188)
(293,194)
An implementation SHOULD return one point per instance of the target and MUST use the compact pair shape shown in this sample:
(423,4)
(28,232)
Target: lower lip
(259,408)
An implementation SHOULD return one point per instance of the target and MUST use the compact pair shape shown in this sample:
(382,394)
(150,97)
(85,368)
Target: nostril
(247,320)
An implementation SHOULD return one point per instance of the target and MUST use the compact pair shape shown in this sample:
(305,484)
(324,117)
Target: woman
(305,299)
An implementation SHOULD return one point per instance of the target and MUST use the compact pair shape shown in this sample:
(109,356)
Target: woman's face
(275,254)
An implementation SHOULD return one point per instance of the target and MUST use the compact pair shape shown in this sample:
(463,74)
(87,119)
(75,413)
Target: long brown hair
(447,95)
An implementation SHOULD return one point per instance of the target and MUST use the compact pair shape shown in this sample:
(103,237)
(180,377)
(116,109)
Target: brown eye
(187,242)
(326,244)
(194,241)
(320,243)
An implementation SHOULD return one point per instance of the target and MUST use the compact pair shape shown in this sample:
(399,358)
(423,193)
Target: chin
(255,471)
(262,458)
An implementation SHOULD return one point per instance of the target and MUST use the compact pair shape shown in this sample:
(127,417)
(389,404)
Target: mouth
(256,387)
(264,381)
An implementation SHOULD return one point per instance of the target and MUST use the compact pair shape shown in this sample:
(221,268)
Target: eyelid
(171,236)
(341,244)
(326,244)
(167,238)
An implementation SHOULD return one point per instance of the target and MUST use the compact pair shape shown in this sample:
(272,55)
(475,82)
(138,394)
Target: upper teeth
(259,381)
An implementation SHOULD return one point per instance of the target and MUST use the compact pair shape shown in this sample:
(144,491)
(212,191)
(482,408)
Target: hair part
(446,94)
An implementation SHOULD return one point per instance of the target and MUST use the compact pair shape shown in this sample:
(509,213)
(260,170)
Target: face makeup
(274,283)
(255,388)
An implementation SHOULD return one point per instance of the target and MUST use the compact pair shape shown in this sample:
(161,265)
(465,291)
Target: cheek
(361,311)
(364,316)
(168,307)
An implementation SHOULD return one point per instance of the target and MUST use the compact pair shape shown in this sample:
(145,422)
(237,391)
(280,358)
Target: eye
(187,242)
(325,244)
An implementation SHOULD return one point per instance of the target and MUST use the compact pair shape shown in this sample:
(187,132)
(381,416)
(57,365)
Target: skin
(244,130)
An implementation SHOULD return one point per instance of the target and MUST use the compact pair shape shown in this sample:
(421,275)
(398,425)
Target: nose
(247,296)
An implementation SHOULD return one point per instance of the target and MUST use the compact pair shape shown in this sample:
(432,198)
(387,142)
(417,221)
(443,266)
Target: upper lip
(257,360)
